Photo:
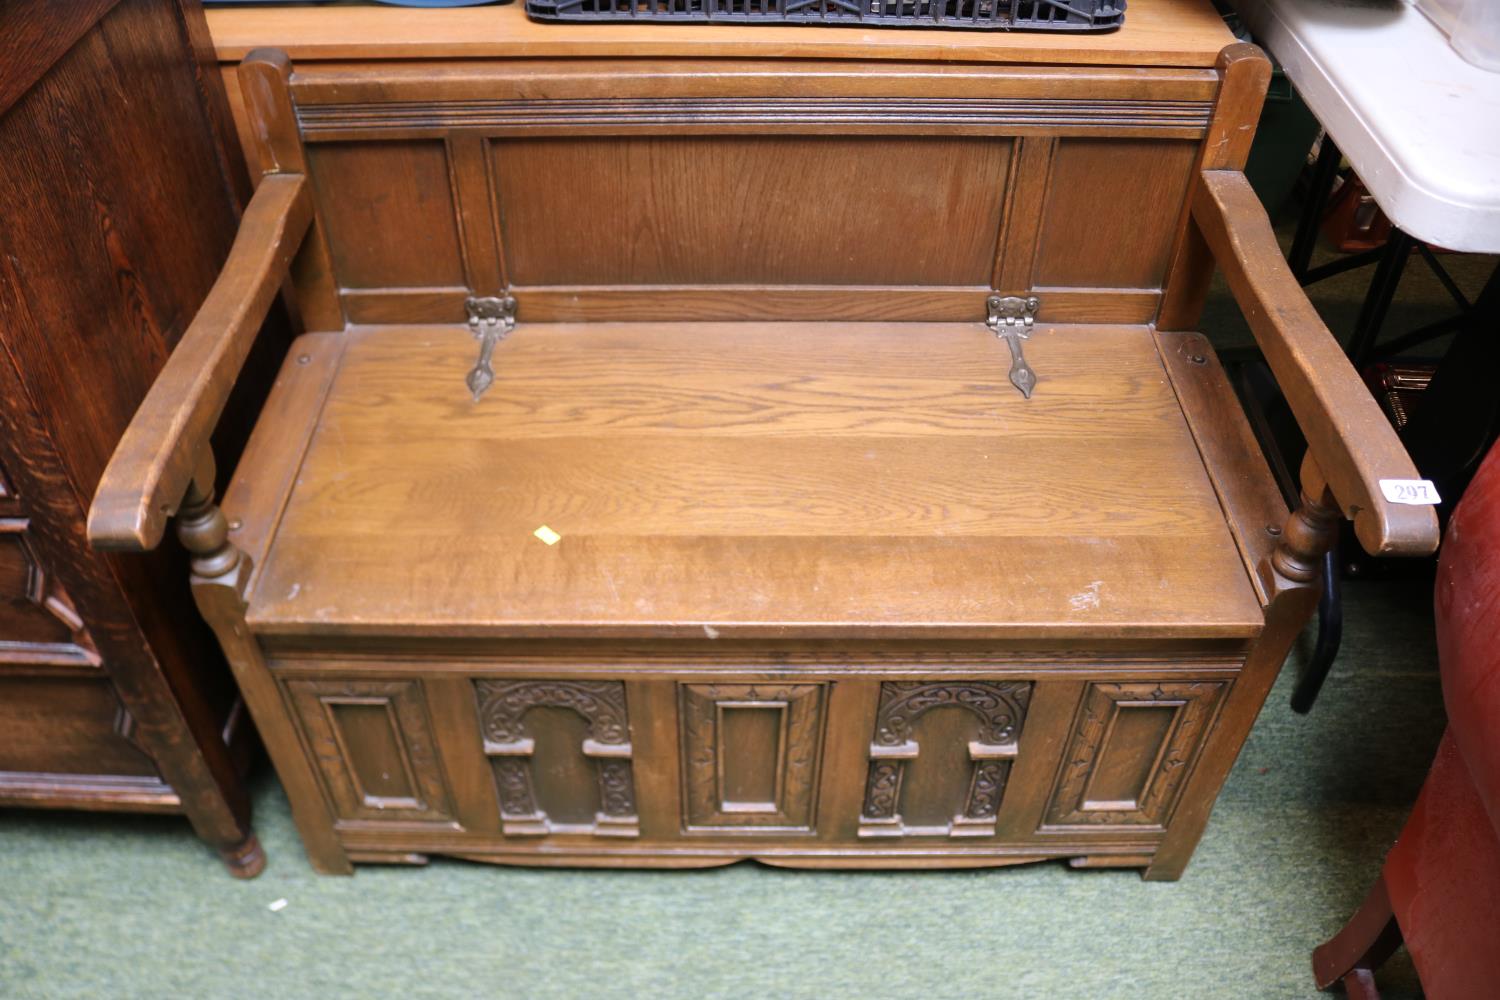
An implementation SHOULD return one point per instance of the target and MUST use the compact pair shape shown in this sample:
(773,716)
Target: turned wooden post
(1308,534)
(1305,538)
(204,532)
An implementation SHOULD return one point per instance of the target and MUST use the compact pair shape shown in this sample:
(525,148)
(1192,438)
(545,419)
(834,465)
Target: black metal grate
(994,15)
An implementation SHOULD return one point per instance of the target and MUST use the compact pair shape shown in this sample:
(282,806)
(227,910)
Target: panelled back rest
(666,189)
(677,190)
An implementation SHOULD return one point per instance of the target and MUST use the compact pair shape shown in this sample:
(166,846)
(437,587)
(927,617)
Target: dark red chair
(1439,890)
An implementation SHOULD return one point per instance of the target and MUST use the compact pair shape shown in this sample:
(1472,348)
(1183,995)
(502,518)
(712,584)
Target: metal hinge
(1011,317)
(491,318)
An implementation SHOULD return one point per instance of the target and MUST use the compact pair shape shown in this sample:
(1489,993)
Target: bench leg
(245,859)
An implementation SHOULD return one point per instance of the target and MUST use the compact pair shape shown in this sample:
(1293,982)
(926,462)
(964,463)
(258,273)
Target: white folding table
(1420,125)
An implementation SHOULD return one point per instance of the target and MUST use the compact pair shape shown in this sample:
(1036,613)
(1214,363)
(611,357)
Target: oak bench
(761,456)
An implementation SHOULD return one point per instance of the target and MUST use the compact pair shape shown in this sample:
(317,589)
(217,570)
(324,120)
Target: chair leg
(1324,172)
(1378,299)
(1352,955)
(1330,636)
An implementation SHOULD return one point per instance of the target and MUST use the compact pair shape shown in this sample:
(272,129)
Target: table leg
(1324,172)
(1378,300)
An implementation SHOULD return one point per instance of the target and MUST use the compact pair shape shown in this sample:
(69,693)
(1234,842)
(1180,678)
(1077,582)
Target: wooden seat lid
(759,479)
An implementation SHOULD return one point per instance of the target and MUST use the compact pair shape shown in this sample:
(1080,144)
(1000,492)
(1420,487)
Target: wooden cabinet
(732,443)
(118,208)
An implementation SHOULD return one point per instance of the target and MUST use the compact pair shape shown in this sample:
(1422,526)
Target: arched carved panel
(503,706)
(38,623)
(1000,707)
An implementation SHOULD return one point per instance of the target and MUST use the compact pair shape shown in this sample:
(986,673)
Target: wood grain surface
(1155,33)
(832,210)
(870,478)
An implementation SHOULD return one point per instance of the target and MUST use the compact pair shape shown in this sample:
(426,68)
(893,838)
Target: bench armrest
(1349,440)
(149,472)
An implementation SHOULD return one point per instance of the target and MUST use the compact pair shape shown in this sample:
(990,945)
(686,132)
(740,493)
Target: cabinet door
(561,755)
(1133,745)
(373,742)
(940,757)
(750,756)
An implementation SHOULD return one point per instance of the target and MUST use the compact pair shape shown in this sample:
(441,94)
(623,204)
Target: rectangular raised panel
(368,733)
(751,744)
(389,212)
(941,756)
(70,724)
(38,624)
(373,742)
(1133,746)
(751,754)
(1122,775)
(561,755)
(748,210)
(1111,212)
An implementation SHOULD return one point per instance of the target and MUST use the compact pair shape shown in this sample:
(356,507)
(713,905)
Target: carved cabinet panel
(373,743)
(750,755)
(940,757)
(561,756)
(38,624)
(1132,747)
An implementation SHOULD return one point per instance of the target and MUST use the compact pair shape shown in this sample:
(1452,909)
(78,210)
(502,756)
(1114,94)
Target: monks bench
(693,461)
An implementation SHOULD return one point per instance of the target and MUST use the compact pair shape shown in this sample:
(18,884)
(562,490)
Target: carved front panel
(38,624)
(560,743)
(374,745)
(979,733)
(1133,746)
(750,755)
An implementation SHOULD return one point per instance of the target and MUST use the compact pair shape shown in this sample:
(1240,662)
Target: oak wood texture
(31,43)
(1354,445)
(872,194)
(823,589)
(1156,33)
(1252,502)
(1116,234)
(254,503)
(690,468)
(113,699)
(161,449)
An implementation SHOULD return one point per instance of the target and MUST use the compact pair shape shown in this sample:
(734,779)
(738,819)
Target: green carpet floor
(122,906)
(98,906)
